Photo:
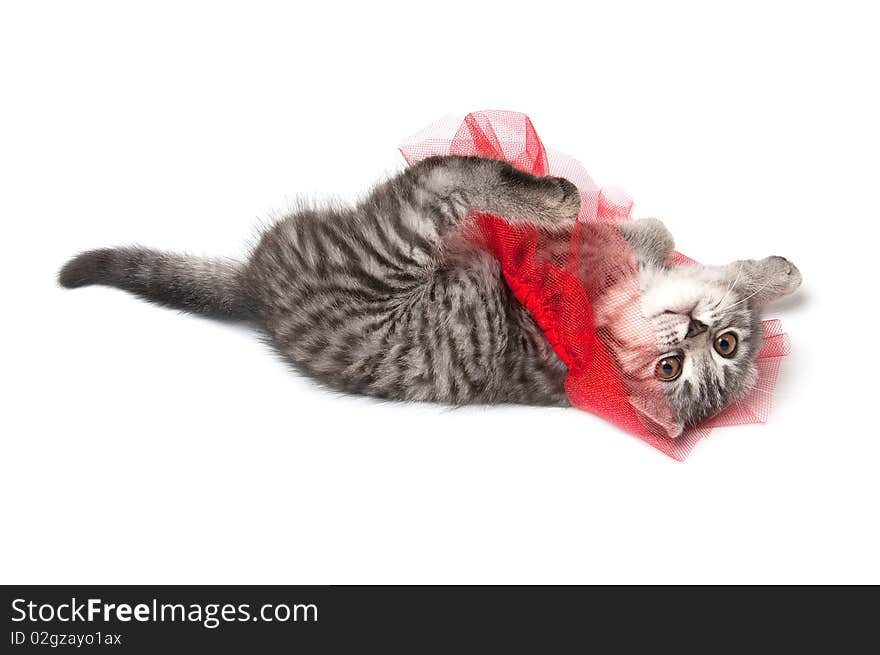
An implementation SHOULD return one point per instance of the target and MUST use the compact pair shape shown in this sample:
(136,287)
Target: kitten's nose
(696,327)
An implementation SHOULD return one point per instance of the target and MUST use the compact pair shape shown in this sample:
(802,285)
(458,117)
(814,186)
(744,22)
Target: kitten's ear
(649,239)
(764,280)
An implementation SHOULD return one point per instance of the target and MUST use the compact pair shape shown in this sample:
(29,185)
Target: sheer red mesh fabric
(583,290)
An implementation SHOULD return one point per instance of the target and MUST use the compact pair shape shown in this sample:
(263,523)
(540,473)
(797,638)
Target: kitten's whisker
(754,293)
(761,389)
(730,288)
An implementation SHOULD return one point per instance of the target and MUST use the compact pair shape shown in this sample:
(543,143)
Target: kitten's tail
(214,287)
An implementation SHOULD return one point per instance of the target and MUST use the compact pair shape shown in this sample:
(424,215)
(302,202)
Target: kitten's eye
(725,345)
(668,368)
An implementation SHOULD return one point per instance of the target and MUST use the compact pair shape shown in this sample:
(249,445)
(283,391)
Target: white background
(140,445)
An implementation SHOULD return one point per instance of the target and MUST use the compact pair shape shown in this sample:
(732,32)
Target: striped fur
(386,298)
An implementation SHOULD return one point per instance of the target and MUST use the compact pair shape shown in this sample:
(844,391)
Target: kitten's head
(707,322)
(707,325)
(685,337)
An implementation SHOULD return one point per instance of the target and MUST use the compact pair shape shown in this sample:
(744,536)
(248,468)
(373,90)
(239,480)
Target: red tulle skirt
(569,291)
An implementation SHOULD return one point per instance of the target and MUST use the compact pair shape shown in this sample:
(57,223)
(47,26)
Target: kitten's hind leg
(496,187)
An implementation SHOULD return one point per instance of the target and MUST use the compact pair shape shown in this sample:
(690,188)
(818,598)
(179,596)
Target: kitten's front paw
(562,198)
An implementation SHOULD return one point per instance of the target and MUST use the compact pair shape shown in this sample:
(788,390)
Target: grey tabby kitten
(386,298)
